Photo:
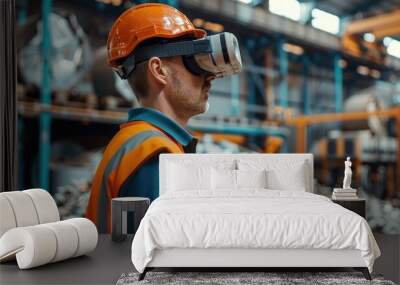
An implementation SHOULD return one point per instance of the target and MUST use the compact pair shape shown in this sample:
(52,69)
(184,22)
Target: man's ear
(157,70)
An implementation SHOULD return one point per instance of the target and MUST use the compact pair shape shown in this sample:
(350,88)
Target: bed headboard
(211,159)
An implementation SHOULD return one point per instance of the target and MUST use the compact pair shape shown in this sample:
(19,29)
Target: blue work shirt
(144,182)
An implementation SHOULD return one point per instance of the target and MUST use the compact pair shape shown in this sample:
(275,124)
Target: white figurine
(347,174)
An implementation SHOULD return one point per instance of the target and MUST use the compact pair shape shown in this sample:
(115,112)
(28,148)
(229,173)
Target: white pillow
(251,178)
(227,179)
(182,177)
(281,174)
(293,181)
(223,179)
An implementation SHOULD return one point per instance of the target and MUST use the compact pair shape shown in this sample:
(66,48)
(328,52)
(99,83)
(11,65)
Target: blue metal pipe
(45,98)
(235,95)
(251,88)
(306,96)
(338,84)
(284,71)
(306,90)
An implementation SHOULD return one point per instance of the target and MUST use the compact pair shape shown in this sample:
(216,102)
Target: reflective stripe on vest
(128,150)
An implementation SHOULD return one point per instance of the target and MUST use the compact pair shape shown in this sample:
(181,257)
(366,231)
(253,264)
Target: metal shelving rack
(248,18)
(45,99)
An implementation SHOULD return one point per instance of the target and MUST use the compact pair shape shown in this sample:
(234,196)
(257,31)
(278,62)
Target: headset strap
(162,50)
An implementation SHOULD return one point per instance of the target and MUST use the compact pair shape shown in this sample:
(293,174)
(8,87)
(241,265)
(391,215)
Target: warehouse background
(319,76)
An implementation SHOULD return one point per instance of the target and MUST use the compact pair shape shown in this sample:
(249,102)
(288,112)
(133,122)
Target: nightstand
(358,206)
(119,208)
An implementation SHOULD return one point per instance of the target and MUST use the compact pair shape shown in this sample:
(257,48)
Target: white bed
(211,224)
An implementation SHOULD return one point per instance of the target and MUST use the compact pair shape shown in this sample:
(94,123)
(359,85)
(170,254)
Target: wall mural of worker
(170,65)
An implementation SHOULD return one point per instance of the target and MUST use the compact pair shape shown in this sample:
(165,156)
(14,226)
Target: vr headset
(217,54)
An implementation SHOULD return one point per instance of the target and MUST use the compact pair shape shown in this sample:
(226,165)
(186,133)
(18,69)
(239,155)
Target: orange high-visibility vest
(133,145)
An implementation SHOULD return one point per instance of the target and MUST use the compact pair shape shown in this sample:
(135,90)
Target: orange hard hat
(146,21)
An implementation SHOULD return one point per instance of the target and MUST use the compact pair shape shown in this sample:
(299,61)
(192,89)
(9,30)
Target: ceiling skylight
(325,21)
(288,8)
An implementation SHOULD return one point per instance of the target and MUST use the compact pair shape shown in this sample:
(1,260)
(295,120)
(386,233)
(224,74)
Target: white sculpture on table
(345,193)
(347,174)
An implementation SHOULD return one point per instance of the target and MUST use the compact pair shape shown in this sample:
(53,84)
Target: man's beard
(184,106)
(191,108)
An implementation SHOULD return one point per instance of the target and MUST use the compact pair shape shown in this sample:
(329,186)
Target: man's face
(186,92)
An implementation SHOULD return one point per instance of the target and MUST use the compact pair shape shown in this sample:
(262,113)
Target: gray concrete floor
(389,262)
(110,260)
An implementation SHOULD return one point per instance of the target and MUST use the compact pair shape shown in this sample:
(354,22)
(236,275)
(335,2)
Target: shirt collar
(162,122)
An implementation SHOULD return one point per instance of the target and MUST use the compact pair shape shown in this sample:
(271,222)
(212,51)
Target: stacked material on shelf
(72,182)
(207,144)
(344,194)
(72,169)
(71,54)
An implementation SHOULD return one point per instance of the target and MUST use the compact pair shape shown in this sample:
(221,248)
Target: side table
(119,208)
(358,206)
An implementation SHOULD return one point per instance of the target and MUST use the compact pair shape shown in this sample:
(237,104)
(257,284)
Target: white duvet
(250,219)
